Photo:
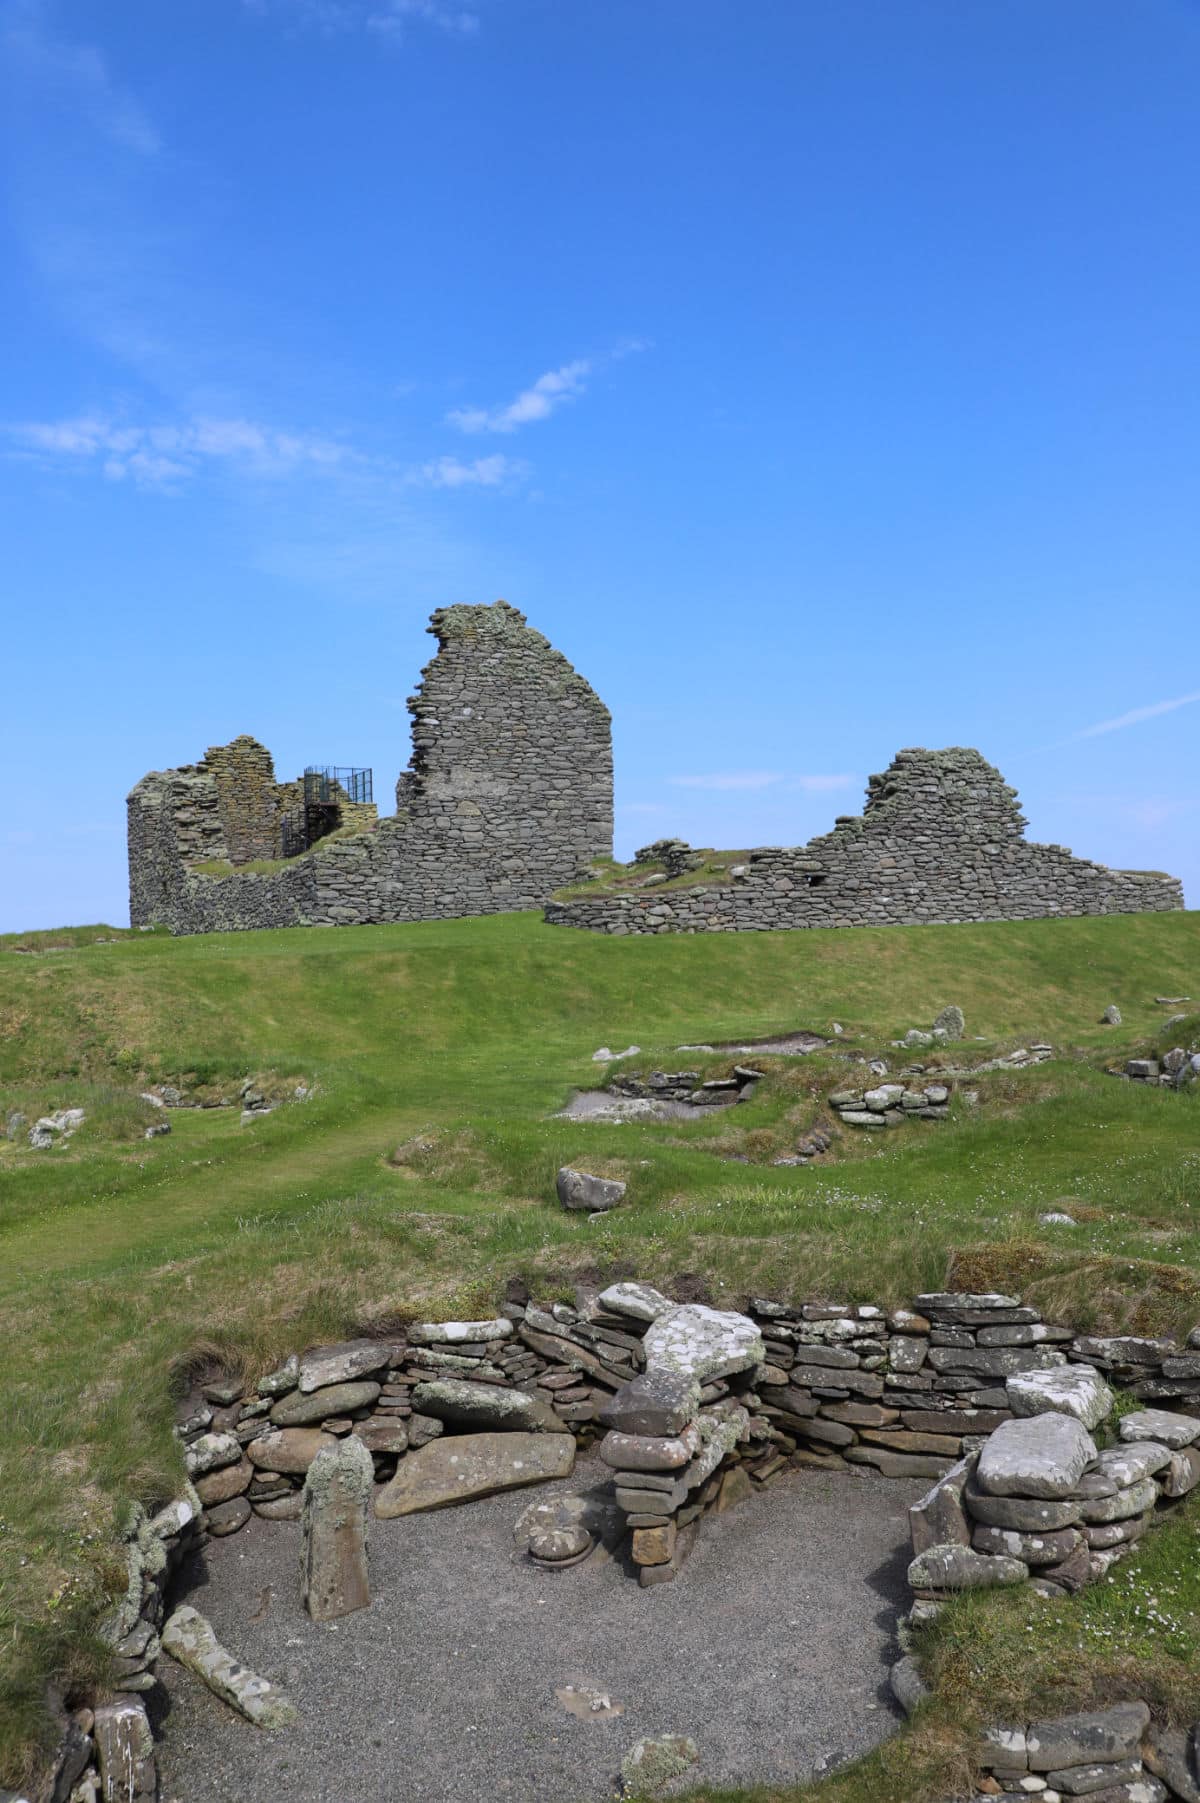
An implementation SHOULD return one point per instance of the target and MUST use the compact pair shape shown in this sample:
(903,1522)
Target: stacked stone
(903,1391)
(673,1426)
(891,1104)
(1174,1070)
(109,1751)
(675,855)
(686,1086)
(1112,1754)
(1039,1499)
(941,839)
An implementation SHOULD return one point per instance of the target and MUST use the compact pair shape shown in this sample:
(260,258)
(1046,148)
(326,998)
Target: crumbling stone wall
(508,797)
(247,798)
(941,839)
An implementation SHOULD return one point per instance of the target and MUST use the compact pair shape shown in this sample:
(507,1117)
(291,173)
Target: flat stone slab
(641,1302)
(1043,1456)
(464,1466)
(653,1403)
(703,1343)
(1072,1390)
(189,1638)
(458,1333)
(302,1410)
(961,1568)
(342,1363)
(1175,1431)
(486,1406)
(1095,1735)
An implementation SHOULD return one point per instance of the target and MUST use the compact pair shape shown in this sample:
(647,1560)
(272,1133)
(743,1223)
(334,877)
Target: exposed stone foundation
(508,797)
(702,1408)
(941,839)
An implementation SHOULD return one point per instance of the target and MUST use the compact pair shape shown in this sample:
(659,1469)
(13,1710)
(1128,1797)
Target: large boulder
(486,1406)
(1041,1456)
(460,1468)
(1072,1390)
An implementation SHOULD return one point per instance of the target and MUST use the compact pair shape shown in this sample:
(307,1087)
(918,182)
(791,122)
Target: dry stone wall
(695,1409)
(508,797)
(941,839)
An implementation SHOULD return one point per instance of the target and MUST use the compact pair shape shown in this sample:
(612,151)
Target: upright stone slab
(333,1548)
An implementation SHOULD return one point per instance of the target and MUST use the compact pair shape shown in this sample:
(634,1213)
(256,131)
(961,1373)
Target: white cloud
(391,19)
(81,71)
(763,779)
(730,779)
(388,19)
(484,472)
(538,401)
(1136,716)
(821,785)
(161,456)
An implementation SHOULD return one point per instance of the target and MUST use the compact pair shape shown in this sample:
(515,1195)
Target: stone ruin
(508,797)
(942,838)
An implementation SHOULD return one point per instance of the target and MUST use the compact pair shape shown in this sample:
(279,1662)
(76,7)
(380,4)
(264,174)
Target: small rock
(908,1686)
(580,1192)
(1111,1016)
(951,1022)
(227,1517)
(565,1545)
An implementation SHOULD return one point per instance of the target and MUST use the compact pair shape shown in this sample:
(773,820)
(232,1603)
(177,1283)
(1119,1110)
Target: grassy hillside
(421,1171)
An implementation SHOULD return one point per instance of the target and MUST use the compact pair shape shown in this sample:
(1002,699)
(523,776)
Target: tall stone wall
(508,797)
(941,839)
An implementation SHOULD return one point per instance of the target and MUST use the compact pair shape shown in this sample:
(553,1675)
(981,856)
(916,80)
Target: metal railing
(322,782)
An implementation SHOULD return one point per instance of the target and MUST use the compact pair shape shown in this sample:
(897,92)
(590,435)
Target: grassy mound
(419,1173)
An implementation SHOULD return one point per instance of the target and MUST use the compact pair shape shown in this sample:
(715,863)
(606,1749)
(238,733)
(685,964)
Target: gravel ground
(770,1649)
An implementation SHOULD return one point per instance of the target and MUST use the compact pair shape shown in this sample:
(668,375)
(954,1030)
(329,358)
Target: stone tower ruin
(508,797)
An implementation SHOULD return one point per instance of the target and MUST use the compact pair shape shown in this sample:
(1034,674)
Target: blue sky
(820,375)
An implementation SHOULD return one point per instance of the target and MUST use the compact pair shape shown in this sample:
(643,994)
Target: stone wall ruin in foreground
(693,1410)
(508,797)
(942,838)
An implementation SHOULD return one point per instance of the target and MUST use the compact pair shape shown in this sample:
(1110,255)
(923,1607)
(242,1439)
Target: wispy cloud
(484,472)
(729,779)
(161,456)
(388,19)
(762,779)
(542,398)
(1135,716)
(80,73)
(391,19)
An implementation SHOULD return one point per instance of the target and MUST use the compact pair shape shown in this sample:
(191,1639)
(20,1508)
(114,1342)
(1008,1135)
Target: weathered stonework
(941,839)
(508,797)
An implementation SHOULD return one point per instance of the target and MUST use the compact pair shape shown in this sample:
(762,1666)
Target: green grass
(421,1174)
